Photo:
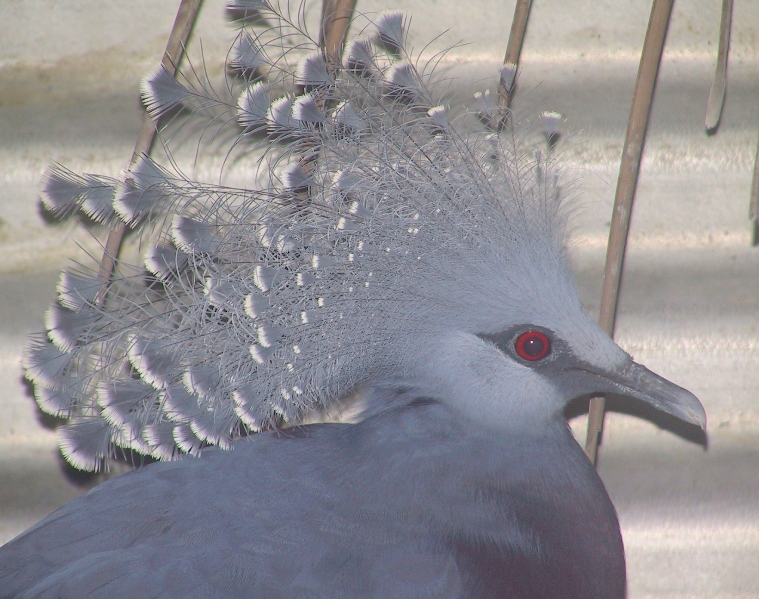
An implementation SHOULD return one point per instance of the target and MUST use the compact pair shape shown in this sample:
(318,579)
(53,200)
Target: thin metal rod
(175,46)
(719,85)
(623,201)
(514,48)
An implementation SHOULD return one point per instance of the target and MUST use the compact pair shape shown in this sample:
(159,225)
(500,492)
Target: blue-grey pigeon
(397,258)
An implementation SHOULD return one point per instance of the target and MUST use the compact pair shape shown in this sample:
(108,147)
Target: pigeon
(395,260)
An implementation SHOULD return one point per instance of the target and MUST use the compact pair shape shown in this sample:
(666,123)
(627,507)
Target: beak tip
(664,395)
(698,417)
(684,405)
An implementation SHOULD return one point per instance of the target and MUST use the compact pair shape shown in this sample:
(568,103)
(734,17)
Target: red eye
(532,346)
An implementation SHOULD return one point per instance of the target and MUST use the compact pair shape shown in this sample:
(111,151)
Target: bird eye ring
(532,346)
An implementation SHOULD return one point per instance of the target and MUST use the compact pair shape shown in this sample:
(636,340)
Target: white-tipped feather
(307,111)
(268,334)
(322,262)
(347,117)
(356,209)
(159,438)
(438,117)
(67,328)
(120,400)
(165,262)
(486,108)
(77,291)
(58,400)
(201,380)
(277,237)
(403,82)
(312,72)
(551,122)
(44,363)
(85,442)
(97,199)
(247,55)
(296,179)
(390,34)
(179,405)
(256,304)
(211,429)
(130,436)
(221,294)
(280,118)
(346,182)
(359,58)
(265,277)
(304,278)
(262,355)
(193,237)
(186,440)
(253,107)
(253,415)
(508,76)
(161,92)
(63,192)
(141,189)
(156,364)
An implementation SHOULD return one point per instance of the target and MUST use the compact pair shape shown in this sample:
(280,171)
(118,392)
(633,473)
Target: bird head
(525,376)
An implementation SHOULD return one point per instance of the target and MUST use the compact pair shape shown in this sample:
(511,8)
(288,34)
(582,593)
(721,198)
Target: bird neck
(569,543)
(526,513)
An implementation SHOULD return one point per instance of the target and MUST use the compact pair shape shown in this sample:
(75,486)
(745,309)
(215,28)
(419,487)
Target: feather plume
(44,363)
(66,328)
(120,400)
(86,442)
(161,92)
(59,399)
(307,111)
(312,72)
(247,55)
(76,291)
(359,58)
(390,33)
(280,118)
(64,192)
(165,262)
(508,76)
(140,190)
(159,438)
(253,108)
(346,117)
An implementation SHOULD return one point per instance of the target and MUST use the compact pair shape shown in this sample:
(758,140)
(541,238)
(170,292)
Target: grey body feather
(337,511)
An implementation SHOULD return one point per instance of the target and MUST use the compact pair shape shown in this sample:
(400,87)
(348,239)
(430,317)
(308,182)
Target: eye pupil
(532,346)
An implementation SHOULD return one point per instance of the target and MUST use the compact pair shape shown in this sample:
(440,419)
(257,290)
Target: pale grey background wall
(69,73)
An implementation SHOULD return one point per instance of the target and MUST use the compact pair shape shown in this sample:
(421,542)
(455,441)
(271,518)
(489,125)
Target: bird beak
(638,382)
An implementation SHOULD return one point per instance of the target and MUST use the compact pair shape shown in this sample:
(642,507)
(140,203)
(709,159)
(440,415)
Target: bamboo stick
(623,201)
(719,85)
(175,46)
